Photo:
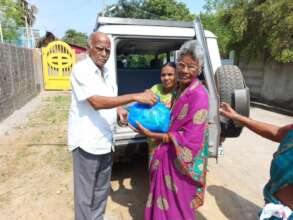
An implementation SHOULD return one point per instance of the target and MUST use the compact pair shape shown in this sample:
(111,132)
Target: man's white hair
(89,39)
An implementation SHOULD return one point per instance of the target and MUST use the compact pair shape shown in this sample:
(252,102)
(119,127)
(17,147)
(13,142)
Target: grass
(55,111)
(35,151)
(46,128)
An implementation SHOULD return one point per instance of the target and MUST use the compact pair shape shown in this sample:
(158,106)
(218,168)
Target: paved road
(235,183)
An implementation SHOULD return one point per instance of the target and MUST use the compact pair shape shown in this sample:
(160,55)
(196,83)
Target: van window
(139,61)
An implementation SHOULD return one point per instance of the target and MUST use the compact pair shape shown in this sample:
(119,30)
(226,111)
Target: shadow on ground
(134,194)
(232,205)
(200,216)
(131,190)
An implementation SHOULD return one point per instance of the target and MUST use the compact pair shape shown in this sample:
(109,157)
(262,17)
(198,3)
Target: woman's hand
(143,130)
(161,137)
(228,111)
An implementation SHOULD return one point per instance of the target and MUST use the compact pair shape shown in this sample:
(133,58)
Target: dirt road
(36,172)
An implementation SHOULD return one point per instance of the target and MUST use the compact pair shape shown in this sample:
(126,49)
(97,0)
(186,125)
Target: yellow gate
(58,59)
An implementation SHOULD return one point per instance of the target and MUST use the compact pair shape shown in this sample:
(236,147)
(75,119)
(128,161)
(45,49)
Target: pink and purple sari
(176,176)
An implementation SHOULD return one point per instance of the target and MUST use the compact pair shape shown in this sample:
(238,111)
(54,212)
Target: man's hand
(146,97)
(122,114)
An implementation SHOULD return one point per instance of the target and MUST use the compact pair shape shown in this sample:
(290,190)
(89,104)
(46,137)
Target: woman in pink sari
(177,177)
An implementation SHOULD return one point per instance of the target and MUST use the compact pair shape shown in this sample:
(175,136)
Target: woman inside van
(178,165)
(165,90)
(278,192)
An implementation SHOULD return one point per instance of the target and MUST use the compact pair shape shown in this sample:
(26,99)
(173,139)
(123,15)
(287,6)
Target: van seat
(136,80)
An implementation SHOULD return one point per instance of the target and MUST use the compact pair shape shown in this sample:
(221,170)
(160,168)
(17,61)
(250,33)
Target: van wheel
(230,83)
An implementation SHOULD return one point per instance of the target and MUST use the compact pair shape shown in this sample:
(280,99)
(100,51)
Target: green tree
(74,37)
(150,9)
(11,17)
(125,9)
(210,21)
(277,27)
(253,27)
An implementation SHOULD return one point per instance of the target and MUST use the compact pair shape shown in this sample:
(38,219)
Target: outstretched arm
(103,102)
(269,131)
(84,88)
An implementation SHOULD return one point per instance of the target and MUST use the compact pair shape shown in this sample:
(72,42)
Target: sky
(58,16)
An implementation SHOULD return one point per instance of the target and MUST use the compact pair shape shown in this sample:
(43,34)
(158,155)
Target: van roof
(144,22)
(147,27)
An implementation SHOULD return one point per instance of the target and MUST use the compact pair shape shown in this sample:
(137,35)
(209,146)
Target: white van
(140,40)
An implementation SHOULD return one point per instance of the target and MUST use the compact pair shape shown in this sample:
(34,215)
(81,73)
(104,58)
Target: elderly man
(91,122)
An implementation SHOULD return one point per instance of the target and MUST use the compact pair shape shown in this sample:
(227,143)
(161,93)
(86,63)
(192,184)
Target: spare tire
(230,83)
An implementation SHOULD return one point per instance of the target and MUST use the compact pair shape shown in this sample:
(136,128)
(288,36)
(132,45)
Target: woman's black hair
(171,64)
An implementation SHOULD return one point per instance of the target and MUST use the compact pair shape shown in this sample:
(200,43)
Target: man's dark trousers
(92,180)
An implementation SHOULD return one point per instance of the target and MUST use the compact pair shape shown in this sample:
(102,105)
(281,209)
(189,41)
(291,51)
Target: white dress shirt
(89,129)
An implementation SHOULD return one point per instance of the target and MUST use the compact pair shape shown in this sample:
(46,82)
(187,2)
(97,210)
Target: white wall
(270,81)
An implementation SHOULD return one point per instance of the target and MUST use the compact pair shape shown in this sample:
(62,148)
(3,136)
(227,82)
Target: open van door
(214,128)
(225,84)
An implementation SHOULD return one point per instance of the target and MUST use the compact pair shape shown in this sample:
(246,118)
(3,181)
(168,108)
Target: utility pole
(1,34)
(26,32)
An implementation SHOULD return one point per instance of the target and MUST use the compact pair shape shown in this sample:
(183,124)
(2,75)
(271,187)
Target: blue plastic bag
(156,118)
